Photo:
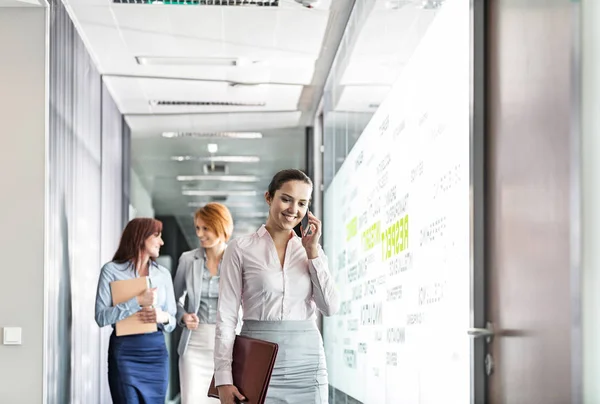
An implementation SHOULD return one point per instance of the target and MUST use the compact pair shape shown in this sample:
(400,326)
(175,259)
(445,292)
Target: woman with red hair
(197,292)
(138,364)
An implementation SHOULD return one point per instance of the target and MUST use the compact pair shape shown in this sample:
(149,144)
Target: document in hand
(253,362)
(121,292)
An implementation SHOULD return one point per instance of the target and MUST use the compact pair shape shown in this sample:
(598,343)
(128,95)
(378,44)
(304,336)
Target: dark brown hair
(217,218)
(284,176)
(133,238)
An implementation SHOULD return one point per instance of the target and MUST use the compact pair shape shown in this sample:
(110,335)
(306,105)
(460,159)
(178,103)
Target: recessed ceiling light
(199,204)
(212,148)
(218,135)
(219,159)
(222,192)
(226,178)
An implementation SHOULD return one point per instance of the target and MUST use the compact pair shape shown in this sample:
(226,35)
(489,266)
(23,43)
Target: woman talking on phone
(138,364)
(280,280)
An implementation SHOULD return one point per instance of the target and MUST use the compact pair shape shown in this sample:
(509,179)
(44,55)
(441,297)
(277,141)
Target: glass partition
(397,204)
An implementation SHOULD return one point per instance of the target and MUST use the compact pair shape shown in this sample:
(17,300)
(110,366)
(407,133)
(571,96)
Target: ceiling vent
(220,199)
(207,103)
(234,3)
(216,169)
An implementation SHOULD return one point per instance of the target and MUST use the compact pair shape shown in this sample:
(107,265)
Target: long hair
(217,218)
(134,237)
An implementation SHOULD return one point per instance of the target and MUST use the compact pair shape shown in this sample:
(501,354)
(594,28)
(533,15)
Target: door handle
(487,332)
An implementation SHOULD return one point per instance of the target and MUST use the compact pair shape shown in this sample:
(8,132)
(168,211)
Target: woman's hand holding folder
(147,297)
(149,313)
(153,315)
(229,393)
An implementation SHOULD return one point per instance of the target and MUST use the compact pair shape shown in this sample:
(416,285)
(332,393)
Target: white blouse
(251,275)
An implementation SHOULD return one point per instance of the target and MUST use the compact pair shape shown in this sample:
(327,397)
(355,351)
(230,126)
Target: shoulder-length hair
(134,237)
(217,218)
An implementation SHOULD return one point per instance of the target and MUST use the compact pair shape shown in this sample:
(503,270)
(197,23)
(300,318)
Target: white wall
(141,200)
(591,198)
(22,188)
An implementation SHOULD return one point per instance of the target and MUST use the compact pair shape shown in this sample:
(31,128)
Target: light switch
(12,335)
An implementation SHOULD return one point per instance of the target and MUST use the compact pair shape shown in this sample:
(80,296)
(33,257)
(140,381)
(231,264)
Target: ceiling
(22,3)
(159,163)
(213,69)
(385,41)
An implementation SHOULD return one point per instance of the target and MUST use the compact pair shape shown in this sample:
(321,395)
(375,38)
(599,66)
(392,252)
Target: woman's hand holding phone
(311,232)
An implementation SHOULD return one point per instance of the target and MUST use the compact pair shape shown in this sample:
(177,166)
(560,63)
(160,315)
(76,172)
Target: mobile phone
(305,226)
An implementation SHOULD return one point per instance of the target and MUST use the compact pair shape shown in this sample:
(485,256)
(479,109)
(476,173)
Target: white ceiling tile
(292,33)
(285,41)
(96,26)
(146,30)
(134,95)
(152,125)
(22,3)
(361,98)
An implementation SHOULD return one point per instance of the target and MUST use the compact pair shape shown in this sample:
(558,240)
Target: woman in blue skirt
(138,364)
(280,280)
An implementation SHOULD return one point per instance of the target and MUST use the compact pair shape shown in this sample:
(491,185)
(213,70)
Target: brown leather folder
(122,291)
(253,362)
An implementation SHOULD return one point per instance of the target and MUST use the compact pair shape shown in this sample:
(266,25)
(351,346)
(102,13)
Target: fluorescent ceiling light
(227,178)
(193,61)
(212,148)
(218,135)
(219,159)
(223,192)
(199,204)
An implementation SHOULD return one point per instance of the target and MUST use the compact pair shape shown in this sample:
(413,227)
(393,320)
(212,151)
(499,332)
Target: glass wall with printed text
(396,130)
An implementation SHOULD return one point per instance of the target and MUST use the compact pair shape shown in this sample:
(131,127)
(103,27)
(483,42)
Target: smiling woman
(197,294)
(281,280)
(288,197)
(138,364)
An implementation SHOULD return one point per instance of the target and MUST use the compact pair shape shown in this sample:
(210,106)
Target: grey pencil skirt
(300,373)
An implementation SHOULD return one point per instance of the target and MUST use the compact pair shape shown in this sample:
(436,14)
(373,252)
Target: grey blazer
(188,289)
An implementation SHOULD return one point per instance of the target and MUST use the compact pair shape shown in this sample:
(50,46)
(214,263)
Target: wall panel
(85,202)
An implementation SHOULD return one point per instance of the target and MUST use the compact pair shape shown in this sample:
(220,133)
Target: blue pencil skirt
(300,372)
(138,368)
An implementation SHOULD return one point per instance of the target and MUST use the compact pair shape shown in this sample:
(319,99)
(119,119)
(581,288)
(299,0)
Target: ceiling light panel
(221,192)
(202,33)
(199,204)
(225,178)
(218,159)
(217,135)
